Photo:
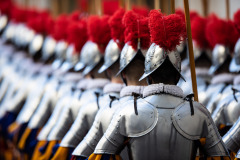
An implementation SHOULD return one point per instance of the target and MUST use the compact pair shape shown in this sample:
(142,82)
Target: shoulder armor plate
(191,126)
(133,125)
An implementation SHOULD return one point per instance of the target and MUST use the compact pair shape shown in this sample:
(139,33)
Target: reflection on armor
(174,124)
(232,137)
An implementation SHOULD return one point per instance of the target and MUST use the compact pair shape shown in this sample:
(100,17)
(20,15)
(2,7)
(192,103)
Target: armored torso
(162,118)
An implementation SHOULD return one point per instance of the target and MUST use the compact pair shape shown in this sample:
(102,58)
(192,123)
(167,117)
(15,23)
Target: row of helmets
(78,42)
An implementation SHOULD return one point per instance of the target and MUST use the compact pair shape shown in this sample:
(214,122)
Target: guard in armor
(70,116)
(110,93)
(131,67)
(222,36)
(88,111)
(53,94)
(163,117)
(202,57)
(232,138)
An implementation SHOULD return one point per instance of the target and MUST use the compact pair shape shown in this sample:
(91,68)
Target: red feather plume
(198,27)
(181,13)
(49,25)
(77,33)
(141,10)
(166,31)
(237,20)
(136,26)
(117,28)
(75,16)
(220,31)
(37,22)
(60,27)
(99,31)
(5,7)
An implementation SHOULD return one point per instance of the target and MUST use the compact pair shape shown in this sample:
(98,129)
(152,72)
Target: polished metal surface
(228,110)
(99,127)
(219,55)
(156,56)
(8,32)
(36,44)
(212,91)
(93,57)
(217,97)
(84,119)
(32,101)
(65,120)
(3,22)
(83,56)
(112,54)
(128,53)
(45,107)
(60,49)
(48,47)
(238,154)
(235,63)
(54,117)
(232,137)
(175,128)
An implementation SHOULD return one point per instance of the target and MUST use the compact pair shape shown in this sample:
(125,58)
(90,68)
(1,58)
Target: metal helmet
(164,45)
(128,54)
(219,55)
(60,51)
(8,33)
(36,44)
(48,48)
(235,63)
(83,56)
(3,22)
(112,54)
(72,58)
(156,56)
(99,37)
(114,47)
(92,58)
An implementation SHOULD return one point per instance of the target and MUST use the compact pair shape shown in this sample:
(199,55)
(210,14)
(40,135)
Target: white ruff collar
(163,89)
(83,83)
(129,90)
(236,80)
(199,72)
(223,78)
(97,83)
(113,88)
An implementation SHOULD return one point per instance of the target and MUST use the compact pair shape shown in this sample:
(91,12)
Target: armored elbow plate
(235,63)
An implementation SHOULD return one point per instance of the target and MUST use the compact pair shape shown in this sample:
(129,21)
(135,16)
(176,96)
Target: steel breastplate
(46,107)
(53,118)
(232,137)
(238,155)
(99,127)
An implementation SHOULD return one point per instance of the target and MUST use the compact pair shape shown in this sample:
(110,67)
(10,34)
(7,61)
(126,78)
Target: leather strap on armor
(189,98)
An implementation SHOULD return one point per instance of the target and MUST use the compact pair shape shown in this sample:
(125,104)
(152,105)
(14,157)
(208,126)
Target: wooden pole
(172,6)
(156,4)
(98,5)
(121,3)
(205,7)
(190,49)
(227,9)
(128,5)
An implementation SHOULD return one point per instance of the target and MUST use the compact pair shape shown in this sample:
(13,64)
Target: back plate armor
(175,127)
(238,155)
(66,119)
(232,137)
